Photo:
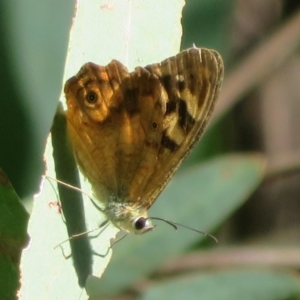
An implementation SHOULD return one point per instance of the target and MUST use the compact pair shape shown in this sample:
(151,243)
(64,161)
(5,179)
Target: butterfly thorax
(128,216)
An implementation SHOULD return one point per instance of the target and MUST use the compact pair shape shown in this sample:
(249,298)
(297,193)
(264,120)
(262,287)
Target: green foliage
(200,197)
(229,285)
(13,227)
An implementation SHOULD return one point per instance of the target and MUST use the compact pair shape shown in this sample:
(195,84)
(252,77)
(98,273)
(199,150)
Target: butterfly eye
(91,97)
(140,223)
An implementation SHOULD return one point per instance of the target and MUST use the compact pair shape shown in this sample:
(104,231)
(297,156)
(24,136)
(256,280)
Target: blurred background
(258,109)
(259,104)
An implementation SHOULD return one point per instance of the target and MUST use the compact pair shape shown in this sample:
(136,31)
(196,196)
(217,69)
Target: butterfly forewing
(113,138)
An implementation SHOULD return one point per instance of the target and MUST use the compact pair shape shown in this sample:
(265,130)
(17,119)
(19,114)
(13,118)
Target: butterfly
(131,130)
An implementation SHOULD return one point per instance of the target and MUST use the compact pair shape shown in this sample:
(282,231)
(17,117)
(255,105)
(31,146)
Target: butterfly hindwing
(192,89)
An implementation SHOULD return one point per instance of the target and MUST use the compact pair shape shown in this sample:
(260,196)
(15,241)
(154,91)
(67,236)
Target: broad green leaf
(32,50)
(230,285)
(136,33)
(200,197)
(13,238)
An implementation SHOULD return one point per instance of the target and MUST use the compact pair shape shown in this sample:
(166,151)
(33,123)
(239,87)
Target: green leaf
(13,233)
(135,32)
(208,24)
(123,30)
(200,197)
(32,50)
(230,285)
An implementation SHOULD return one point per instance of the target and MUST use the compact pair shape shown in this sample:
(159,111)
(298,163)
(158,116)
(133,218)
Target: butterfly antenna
(174,225)
(166,221)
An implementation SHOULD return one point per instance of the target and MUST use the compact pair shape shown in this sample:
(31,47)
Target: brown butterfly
(131,131)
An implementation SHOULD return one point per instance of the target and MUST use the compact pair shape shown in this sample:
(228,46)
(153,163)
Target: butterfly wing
(130,131)
(192,80)
(111,118)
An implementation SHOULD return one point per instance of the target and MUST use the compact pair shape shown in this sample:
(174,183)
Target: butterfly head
(128,217)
